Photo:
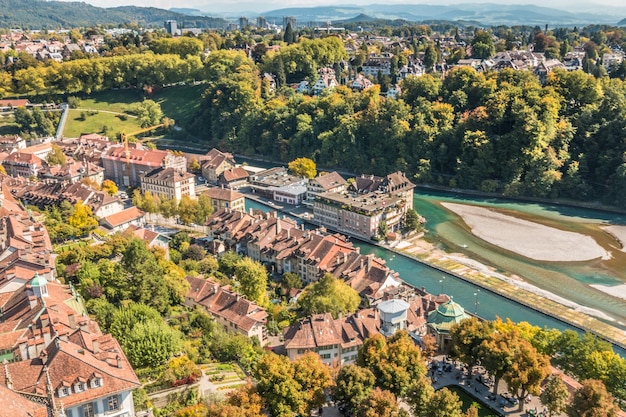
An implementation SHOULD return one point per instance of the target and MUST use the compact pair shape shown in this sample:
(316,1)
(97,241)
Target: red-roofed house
(119,222)
(228,308)
(21,164)
(226,198)
(214,163)
(127,167)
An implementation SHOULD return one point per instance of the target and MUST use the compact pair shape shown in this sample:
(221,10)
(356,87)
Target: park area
(111,112)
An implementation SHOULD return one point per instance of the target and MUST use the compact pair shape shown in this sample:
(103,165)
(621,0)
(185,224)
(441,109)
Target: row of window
(80,387)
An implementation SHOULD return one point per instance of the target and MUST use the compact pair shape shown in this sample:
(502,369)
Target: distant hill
(621,22)
(485,13)
(38,14)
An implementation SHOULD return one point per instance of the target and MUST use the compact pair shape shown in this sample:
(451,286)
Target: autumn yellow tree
(303,167)
(82,218)
(110,187)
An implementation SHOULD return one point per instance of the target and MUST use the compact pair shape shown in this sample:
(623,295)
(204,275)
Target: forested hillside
(37,14)
(500,132)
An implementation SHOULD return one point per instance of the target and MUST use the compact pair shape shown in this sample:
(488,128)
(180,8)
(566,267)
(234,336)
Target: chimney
(362,262)
(345,257)
(95,346)
(118,359)
(23,346)
(369,262)
(44,357)
(289,233)
(278,227)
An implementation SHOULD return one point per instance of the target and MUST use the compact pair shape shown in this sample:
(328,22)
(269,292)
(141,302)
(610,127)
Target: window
(113,403)
(63,392)
(96,382)
(88,410)
(80,387)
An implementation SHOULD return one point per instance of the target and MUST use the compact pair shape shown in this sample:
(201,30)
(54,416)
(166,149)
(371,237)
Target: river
(483,302)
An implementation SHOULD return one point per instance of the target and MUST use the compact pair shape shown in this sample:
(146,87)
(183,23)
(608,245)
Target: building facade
(169,183)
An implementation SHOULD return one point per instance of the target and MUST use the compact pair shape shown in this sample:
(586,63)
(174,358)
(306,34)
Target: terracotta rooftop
(224,194)
(123,217)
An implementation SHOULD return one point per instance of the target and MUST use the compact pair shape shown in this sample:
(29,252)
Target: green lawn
(181,102)
(178,102)
(468,400)
(95,123)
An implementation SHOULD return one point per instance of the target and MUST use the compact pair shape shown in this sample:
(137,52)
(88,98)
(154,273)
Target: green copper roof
(446,315)
(38,281)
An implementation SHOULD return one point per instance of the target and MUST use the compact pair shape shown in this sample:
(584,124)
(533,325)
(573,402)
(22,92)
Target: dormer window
(96,382)
(64,392)
(80,387)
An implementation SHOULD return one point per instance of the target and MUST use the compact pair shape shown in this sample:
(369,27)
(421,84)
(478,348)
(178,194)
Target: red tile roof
(123,217)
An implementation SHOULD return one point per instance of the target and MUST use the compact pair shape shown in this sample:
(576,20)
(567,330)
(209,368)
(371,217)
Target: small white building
(393,316)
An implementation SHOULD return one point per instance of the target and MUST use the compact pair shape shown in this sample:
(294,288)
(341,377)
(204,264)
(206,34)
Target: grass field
(8,126)
(468,400)
(178,102)
(96,123)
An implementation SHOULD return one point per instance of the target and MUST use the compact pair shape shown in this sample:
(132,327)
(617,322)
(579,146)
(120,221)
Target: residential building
(546,67)
(42,194)
(224,198)
(394,91)
(10,143)
(336,340)
(283,246)
(22,164)
(119,222)
(214,163)
(360,83)
(126,167)
(41,150)
(289,20)
(368,203)
(88,148)
(74,171)
(331,182)
(233,178)
(325,79)
(231,310)
(377,64)
(609,61)
(266,182)
(171,27)
(10,104)
(153,239)
(169,183)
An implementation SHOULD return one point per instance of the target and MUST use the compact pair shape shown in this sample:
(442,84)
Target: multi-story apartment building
(224,198)
(126,167)
(331,182)
(214,163)
(169,183)
(368,202)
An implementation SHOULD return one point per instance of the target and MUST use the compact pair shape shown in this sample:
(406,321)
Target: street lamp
(476,301)
(441,283)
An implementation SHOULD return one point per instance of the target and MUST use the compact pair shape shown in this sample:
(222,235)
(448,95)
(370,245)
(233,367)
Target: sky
(259,6)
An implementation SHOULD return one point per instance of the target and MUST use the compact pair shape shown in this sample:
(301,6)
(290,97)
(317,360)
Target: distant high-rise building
(261,22)
(171,27)
(287,20)
(243,23)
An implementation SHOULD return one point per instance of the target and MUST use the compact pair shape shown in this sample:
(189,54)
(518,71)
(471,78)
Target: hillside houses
(228,308)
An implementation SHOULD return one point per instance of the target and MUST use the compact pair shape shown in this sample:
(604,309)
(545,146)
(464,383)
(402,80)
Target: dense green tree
(352,385)
(329,295)
(466,339)
(529,368)
(419,396)
(555,396)
(314,378)
(444,403)
(276,384)
(56,156)
(252,278)
(482,45)
(396,363)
